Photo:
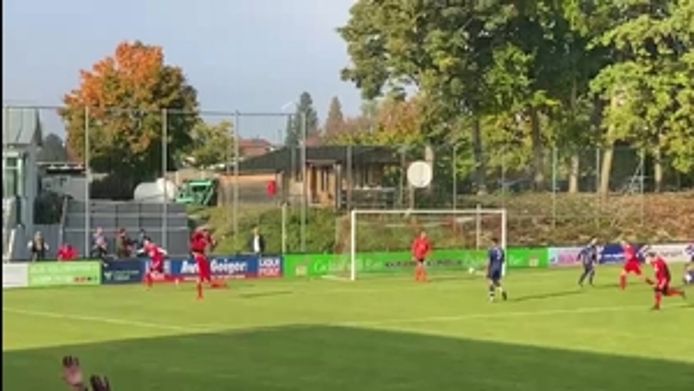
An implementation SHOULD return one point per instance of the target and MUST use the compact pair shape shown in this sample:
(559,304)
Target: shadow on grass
(549,295)
(309,358)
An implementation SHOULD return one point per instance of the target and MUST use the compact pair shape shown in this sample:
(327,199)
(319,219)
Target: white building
(21,140)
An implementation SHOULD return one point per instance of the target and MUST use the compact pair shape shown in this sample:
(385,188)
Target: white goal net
(378,242)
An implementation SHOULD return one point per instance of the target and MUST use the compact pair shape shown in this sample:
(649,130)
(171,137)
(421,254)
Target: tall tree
(441,49)
(211,144)
(648,87)
(53,149)
(303,109)
(335,122)
(125,95)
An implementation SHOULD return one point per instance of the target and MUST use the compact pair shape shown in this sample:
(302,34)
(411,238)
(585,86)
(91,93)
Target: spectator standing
(67,253)
(100,246)
(123,244)
(257,242)
(38,247)
(142,239)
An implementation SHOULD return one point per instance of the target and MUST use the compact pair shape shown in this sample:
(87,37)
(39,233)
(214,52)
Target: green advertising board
(527,257)
(64,273)
(314,265)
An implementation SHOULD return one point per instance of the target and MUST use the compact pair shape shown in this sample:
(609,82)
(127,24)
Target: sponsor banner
(672,252)
(15,275)
(563,256)
(269,267)
(311,265)
(123,271)
(612,253)
(314,265)
(229,267)
(65,273)
(439,260)
(527,257)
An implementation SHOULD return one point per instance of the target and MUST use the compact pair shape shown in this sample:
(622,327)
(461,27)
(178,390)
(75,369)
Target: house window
(10,185)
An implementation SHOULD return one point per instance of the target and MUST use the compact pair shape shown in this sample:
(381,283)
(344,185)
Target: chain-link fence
(234,171)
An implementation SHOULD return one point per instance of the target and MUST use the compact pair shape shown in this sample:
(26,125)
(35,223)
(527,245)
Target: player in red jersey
(200,242)
(421,247)
(662,280)
(156,255)
(631,263)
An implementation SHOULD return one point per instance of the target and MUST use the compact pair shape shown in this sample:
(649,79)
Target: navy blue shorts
(494,275)
(588,265)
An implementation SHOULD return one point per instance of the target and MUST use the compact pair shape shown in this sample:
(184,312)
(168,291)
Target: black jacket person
(256,244)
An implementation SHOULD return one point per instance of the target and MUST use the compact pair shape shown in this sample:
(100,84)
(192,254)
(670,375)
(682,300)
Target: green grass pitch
(385,333)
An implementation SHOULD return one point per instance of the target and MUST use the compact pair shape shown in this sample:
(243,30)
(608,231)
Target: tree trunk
(480,167)
(574,168)
(608,154)
(573,173)
(658,170)
(538,152)
(430,157)
(606,169)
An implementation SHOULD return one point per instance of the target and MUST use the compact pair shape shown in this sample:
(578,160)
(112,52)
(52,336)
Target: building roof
(254,143)
(282,159)
(21,126)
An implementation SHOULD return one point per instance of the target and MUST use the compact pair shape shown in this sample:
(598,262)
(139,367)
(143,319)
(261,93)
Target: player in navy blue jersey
(589,258)
(495,270)
(689,265)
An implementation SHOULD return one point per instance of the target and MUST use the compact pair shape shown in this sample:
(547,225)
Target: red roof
(254,143)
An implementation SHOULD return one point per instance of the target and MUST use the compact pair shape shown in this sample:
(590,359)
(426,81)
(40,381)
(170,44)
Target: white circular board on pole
(419,174)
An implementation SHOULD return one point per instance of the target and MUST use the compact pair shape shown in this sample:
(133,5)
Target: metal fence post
(304,183)
(284,228)
(164,168)
(88,175)
(478,227)
(642,173)
(454,159)
(237,138)
(554,188)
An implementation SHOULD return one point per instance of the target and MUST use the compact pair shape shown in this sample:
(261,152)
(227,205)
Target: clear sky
(250,55)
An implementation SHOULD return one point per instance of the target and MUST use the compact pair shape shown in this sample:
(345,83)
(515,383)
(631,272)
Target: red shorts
(156,266)
(662,285)
(633,267)
(204,271)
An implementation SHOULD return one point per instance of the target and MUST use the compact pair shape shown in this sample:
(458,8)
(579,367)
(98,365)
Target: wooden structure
(336,176)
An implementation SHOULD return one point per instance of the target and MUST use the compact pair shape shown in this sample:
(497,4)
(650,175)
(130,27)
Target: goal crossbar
(475,212)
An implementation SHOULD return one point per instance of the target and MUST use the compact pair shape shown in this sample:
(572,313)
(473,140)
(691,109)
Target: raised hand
(100,383)
(72,373)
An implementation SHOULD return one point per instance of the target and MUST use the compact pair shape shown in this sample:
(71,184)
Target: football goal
(378,241)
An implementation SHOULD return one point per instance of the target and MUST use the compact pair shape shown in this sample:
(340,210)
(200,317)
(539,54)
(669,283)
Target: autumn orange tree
(125,95)
(391,121)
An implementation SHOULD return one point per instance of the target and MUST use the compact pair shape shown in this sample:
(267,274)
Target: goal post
(458,231)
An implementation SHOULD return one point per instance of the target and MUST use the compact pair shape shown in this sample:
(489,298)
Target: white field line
(514,314)
(209,327)
(101,319)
